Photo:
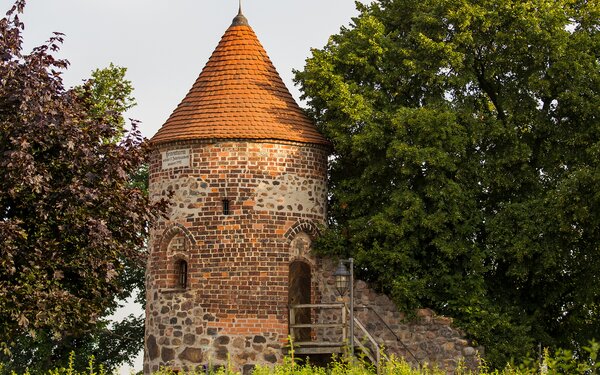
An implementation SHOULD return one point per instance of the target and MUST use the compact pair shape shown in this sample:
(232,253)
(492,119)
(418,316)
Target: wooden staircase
(314,345)
(363,340)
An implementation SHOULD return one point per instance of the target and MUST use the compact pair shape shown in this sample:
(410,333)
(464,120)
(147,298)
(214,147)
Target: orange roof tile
(239,94)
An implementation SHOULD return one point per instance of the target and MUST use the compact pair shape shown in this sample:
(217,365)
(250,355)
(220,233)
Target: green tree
(466,162)
(108,92)
(74,209)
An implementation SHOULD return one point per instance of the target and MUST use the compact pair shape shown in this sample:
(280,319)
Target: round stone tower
(246,171)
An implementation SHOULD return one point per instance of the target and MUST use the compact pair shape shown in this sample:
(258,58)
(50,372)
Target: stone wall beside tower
(218,280)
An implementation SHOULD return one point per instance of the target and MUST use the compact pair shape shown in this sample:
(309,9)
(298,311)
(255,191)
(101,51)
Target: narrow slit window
(226,210)
(182,274)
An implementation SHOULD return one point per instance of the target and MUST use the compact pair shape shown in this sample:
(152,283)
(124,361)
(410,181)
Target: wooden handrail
(292,319)
(319,343)
(374,342)
(391,331)
(317,325)
(317,305)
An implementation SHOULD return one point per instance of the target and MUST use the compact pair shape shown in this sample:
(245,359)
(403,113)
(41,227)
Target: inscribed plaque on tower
(176,158)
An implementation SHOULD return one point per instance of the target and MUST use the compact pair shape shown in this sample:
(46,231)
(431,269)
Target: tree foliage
(73,215)
(466,163)
(108,92)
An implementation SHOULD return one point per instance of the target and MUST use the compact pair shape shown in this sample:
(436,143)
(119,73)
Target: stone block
(167,354)
(221,353)
(151,347)
(189,339)
(259,339)
(443,320)
(222,340)
(209,317)
(239,343)
(193,355)
(247,355)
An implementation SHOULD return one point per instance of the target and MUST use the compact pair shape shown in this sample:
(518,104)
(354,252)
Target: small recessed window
(226,210)
(182,274)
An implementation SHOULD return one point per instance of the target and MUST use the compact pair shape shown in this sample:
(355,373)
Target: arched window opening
(182,274)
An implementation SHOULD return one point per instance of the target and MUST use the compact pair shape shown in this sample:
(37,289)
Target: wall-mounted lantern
(344,281)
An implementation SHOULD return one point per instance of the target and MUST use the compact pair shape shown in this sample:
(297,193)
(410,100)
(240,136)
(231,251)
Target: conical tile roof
(239,95)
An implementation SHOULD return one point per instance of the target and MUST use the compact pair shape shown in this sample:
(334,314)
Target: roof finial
(240,20)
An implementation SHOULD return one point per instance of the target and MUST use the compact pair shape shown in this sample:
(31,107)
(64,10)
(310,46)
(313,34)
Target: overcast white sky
(164,44)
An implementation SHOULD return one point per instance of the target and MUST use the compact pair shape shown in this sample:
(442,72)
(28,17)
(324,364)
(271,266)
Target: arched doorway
(299,293)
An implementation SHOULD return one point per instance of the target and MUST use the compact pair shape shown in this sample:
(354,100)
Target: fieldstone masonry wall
(427,340)
(188,336)
(291,193)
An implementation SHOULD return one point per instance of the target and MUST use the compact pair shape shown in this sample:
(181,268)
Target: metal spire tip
(240,20)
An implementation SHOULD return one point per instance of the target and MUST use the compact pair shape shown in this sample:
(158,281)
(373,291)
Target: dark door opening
(299,293)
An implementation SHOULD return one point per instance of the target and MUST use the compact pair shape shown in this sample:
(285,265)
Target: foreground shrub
(93,368)
(562,362)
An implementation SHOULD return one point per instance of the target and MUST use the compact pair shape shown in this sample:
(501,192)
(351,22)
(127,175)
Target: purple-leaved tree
(71,219)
